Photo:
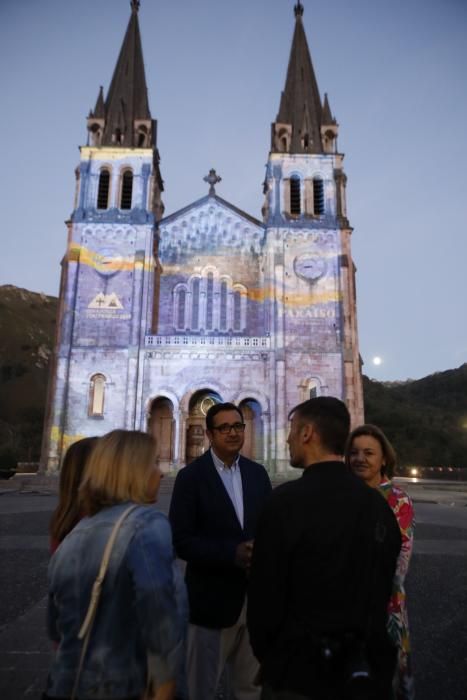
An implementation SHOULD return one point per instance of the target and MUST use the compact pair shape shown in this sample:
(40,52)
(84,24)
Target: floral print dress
(398,625)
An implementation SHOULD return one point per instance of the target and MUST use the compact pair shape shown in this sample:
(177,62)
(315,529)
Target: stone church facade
(161,316)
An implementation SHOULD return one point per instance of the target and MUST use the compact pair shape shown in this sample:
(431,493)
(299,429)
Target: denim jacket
(139,627)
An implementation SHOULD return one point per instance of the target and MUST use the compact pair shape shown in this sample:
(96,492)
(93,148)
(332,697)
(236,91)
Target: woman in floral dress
(371,457)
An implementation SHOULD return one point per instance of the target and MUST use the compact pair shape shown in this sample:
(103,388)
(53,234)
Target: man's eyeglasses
(225,428)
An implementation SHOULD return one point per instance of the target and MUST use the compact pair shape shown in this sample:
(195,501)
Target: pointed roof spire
(127,98)
(327,117)
(99,109)
(301,94)
(298,9)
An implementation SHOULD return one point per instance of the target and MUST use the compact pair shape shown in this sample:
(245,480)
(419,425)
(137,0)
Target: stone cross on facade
(212,179)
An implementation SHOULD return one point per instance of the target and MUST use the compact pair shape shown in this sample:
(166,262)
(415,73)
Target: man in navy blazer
(215,506)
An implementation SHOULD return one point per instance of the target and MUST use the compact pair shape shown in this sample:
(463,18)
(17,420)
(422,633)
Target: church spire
(298,123)
(327,117)
(99,109)
(126,115)
(298,9)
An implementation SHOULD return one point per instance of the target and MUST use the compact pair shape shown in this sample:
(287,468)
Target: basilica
(162,315)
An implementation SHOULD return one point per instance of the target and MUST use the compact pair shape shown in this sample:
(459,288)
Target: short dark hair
(331,419)
(388,450)
(217,408)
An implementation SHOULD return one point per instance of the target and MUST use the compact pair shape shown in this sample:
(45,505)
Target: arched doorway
(253,445)
(161,427)
(196,440)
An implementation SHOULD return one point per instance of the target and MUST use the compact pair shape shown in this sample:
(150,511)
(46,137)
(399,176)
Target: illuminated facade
(159,317)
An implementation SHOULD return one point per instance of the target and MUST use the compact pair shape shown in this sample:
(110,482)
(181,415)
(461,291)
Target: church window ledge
(112,216)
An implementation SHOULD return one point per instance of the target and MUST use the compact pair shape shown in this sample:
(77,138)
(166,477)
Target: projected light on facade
(208,303)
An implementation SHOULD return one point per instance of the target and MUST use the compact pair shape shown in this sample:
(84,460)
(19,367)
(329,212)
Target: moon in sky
(377,360)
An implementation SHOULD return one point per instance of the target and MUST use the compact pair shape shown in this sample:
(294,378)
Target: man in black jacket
(215,506)
(323,563)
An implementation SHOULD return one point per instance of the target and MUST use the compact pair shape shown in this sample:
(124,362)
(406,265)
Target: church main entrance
(253,445)
(191,431)
(196,439)
(161,427)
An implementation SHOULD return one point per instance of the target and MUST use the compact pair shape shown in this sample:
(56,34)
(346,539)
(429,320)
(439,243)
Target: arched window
(181,309)
(311,388)
(306,142)
(103,189)
(210,304)
(318,196)
(195,304)
(314,389)
(295,207)
(237,297)
(252,415)
(223,309)
(142,133)
(161,427)
(196,438)
(127,190)
(282,140)
(209,300)
(96,134)
(96,395)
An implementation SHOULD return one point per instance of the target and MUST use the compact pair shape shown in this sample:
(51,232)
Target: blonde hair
(118,470)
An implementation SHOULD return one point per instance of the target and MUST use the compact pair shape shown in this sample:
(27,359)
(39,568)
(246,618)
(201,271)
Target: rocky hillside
(425,419)
(27,331)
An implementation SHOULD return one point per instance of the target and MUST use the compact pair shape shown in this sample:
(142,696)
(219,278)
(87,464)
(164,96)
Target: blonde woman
(136,639)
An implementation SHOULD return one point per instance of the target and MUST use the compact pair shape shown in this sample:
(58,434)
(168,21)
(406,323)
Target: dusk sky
(395,73)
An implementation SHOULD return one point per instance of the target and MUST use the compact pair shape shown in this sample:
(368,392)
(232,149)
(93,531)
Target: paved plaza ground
(436,586)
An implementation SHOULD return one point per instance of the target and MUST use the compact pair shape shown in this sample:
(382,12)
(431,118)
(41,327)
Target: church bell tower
(308,251)
(110,265)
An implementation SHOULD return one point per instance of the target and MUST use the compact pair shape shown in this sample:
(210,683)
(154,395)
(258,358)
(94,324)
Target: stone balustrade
(262,342)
